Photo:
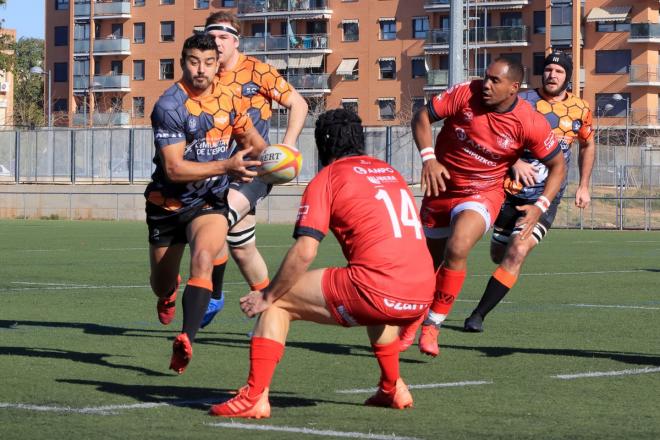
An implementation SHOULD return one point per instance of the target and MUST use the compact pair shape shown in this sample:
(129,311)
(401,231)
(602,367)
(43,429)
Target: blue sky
(26,16)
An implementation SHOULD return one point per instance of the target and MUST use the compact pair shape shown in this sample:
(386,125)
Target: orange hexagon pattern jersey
(259,84)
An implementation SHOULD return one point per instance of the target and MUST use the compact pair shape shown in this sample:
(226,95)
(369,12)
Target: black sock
(218,278)
(493,294)
(195,301)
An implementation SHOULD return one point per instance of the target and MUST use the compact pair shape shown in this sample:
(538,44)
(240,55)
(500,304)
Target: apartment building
(112,59)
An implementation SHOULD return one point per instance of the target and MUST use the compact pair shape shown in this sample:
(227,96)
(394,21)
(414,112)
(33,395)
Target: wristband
(542,203)
(427,154)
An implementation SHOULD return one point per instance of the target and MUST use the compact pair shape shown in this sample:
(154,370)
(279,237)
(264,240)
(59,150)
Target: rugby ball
(279,164)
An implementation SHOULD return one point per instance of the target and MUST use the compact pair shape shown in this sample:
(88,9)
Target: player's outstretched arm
(295,264)
(586,164)
(297,113)
(434,173)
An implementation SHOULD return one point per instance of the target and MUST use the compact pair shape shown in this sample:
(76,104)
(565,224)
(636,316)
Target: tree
(28,88)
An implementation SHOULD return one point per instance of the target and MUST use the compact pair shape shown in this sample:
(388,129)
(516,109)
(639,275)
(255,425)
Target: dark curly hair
(198,41)
(338,133)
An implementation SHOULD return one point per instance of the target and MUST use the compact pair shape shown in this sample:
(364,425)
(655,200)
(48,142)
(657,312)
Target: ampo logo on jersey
(360,170)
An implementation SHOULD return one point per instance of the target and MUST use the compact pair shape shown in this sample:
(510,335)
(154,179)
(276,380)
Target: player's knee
(456,253)
(517,252)
(201,262)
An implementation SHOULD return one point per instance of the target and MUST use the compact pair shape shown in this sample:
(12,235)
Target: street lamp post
(36,70)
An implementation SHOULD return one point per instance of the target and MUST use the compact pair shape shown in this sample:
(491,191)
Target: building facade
(7,89)
(111,60)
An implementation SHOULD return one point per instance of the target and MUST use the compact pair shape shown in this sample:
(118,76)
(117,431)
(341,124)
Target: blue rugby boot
(214,307)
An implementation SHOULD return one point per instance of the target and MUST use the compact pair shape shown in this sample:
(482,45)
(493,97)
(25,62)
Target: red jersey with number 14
(368,206)
(478,145)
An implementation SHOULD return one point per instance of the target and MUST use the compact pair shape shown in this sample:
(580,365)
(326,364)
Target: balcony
(644,33)
(436,80)
(437,40)
(311,83)
(102,83)
(82,10)
(111,119)
(108,46)
(443,5)
(114,9)
(644,75)
(284,8)
(284,43)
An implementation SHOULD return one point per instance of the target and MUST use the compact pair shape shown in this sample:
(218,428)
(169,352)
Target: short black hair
(516,69)
(198,41)
(338,134)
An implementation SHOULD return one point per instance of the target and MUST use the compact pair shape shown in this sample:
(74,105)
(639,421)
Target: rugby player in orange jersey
(259,84)
(388,281)
(486,128)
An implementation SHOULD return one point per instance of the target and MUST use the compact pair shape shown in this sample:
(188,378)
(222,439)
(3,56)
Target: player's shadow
(317,347)
(76,356)
(193,397)
(87,328)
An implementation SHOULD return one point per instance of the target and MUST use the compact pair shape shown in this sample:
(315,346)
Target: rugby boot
(243,406)
(166,306)
(407,333)
(214,307)
(399,398)
(181,353)
(474,323)
(428,340)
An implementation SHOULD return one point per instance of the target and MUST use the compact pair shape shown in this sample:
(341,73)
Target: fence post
(388,144)
(73,156)
(17,158)
(131,155)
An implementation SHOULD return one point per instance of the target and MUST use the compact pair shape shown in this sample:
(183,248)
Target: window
(350,104)
(602,26)
(387,29)
(387,108)
(138,3)
(61,35)
(351,30)
(420,27)
(539,22)
(139,33)
(138,107)
(607,105)
(418,67)
(612,61)
(229,3)
(201,4)
(387,68)
(61,72)
(417,103)
(61,105)
(117,30)
(562,15)
(539,60)
(258,29)
(116,67)
(511,19)
(167,69)
(116,103)
(166,2)
(138,70)
(349,69)
(514,56)
(61,5)
(166,31)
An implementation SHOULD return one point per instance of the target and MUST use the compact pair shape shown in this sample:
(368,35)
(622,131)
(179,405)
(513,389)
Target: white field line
(103,410)
(308,431)
(596,272)
(30,283)
(613,306)
(420,386)
(608,373)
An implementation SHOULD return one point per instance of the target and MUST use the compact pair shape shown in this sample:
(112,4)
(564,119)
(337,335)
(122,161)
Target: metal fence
(625,180)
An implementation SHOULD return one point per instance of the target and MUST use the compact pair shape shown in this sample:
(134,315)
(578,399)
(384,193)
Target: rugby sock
(498,286)
(387,356)
(265,354)
(448,284)
(196,298)
(218,276)
(260,285)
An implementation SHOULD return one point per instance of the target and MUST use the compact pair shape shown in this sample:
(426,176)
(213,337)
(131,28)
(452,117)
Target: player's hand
(254,303)
(525,172)
(238,166)
(582,197)
(434,175)
(529,219)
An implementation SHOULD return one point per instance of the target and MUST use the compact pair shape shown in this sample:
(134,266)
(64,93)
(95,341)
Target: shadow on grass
(193,397)
(76,356)
(87,328)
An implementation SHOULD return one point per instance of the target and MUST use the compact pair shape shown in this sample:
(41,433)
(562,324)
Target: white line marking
(599,272)
(608,373)
(613,306)
(125,249)
(308,431)
(109,409)
(420,386)
(50,284)
(42,250)
(69,287)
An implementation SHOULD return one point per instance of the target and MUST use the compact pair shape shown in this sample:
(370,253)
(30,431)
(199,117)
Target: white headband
(222,27)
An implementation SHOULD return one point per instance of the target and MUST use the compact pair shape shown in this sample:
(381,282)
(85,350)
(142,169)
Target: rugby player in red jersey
(388,281)
(486,128)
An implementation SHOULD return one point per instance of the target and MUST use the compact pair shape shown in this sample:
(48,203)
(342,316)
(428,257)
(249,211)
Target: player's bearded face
(199,68)
(554,80)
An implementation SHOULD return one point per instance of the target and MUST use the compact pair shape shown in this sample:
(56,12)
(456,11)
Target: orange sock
(387,356)
(448,284)
(265,354)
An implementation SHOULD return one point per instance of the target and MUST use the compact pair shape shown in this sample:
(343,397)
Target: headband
(222,27)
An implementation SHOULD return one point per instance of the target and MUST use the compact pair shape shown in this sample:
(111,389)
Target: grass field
(83,356)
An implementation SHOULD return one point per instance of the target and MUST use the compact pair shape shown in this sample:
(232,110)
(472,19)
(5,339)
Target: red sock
(387,356)
(448,284)
(265,354)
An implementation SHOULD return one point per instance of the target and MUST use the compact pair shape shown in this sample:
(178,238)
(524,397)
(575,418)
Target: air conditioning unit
(4,87)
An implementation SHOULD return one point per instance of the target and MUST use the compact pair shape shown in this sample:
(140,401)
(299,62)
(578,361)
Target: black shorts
(505,224)
(167,228)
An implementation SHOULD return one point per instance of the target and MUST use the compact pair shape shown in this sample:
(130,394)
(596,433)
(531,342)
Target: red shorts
(437,212)
(351,305)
